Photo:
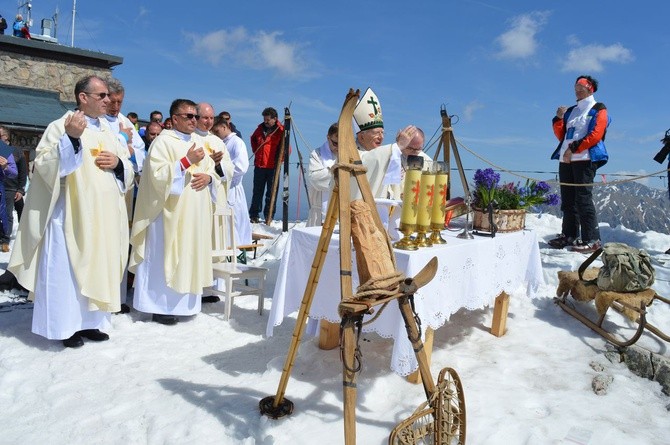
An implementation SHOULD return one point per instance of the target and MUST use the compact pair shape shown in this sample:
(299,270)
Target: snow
(200,382)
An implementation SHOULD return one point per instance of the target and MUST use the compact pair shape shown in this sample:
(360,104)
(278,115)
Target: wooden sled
(633,305)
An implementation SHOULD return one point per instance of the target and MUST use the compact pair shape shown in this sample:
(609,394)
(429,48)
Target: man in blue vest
(581,151)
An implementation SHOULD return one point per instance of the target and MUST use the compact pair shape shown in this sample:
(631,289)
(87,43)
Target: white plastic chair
(238,278)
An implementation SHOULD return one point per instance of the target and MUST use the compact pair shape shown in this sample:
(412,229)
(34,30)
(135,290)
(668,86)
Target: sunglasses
(100,96)
(189,116)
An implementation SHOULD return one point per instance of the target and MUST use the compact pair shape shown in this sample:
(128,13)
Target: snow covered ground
(200,382)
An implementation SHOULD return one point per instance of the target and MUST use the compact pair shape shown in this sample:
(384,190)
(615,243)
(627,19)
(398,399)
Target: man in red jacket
(265,142)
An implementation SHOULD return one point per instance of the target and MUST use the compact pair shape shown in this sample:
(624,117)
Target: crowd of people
(113,205)
(109,200)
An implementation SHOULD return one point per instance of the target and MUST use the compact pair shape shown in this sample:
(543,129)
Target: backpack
(625,268)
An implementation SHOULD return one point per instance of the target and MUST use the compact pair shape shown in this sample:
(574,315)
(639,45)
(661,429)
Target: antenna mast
(74,12)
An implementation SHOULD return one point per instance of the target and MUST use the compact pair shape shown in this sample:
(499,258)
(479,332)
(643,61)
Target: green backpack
(625,268)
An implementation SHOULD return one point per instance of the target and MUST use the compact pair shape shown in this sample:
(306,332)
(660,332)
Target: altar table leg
(500,315)
(329,335)
(415,377)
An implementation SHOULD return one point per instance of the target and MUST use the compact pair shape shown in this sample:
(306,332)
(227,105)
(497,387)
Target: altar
(471,274)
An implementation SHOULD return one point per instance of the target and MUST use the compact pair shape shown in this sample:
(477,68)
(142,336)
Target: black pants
(579,211)
(263,179)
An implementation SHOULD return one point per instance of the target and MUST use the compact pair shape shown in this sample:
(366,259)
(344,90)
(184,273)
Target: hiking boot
(561,242)
(589,247)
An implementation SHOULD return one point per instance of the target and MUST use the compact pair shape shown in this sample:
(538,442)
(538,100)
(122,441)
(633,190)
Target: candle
(440,199)
(426,199)
(410,197)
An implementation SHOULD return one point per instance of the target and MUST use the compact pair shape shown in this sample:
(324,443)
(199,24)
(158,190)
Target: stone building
(37,81)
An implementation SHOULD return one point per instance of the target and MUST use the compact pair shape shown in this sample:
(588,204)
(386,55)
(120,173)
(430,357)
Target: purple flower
(552,199)
(487,178)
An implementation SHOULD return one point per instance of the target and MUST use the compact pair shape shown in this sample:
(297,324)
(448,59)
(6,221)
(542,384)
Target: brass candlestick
(406,243)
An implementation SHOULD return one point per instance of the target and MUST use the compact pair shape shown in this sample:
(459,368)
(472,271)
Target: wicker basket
(506,220)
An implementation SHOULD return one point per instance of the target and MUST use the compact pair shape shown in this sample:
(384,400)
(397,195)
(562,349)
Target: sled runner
(582,285)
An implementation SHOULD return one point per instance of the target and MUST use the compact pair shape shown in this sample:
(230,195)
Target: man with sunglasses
(172,230)
(71,251)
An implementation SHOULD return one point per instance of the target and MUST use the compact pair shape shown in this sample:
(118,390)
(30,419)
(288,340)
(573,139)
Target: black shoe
(164,319)
(210,299)
(94,334)
(74,342)
(561,242)
(255,220)
(124,309)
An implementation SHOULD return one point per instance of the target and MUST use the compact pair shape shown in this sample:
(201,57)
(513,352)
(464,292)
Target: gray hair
(114,86)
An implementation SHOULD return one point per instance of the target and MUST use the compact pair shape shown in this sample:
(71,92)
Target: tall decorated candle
(439,201)
(425,207)
(410,202)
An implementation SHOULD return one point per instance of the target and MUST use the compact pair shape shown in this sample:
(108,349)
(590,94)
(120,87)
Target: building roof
(53,51)
(29,108)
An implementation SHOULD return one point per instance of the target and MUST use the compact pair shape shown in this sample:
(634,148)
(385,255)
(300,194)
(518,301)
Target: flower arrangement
(509,196)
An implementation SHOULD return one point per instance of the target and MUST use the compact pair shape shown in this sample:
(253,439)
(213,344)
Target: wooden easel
(352,311)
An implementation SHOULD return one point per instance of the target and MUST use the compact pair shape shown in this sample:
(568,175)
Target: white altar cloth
(471,274)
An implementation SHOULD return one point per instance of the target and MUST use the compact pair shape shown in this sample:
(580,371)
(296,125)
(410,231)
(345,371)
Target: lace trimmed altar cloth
(471,274)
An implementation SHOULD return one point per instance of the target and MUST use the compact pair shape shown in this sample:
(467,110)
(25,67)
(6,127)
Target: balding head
(206,119)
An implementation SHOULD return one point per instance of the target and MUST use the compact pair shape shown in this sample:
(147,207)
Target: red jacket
(266,148)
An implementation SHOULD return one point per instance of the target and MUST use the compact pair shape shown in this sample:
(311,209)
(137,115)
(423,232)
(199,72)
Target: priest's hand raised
(216,157)
(75,124)
(200,180)
(404,136)
(195,155)
(106,160)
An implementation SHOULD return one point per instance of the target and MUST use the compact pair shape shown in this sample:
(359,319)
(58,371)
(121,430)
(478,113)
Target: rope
(595,184)
(382,286)
(350,167)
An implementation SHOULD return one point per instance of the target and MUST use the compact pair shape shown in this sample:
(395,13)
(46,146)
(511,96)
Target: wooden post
(415,377)
(329,335)
(500,315)
(349,373)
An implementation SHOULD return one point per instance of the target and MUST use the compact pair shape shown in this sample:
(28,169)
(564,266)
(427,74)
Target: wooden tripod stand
(352,311)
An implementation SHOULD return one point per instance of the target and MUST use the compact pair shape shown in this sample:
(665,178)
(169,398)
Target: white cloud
(470,109)
(592,58)
(519,41)
(257,51)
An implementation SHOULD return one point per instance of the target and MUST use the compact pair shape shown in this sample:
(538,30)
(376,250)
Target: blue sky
(502,70)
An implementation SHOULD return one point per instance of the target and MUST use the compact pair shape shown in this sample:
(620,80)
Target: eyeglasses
(188,116)
(333,141)
(415,149)
(101,96)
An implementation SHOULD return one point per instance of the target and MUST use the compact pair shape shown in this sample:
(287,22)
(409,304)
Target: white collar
(586,104)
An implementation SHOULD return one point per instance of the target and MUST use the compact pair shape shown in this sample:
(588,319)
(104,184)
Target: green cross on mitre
(374,104)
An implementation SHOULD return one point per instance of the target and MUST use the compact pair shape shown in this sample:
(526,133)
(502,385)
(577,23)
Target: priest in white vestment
(237,198)
(216,149)
(71,246)
(172,230)
(320,177)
